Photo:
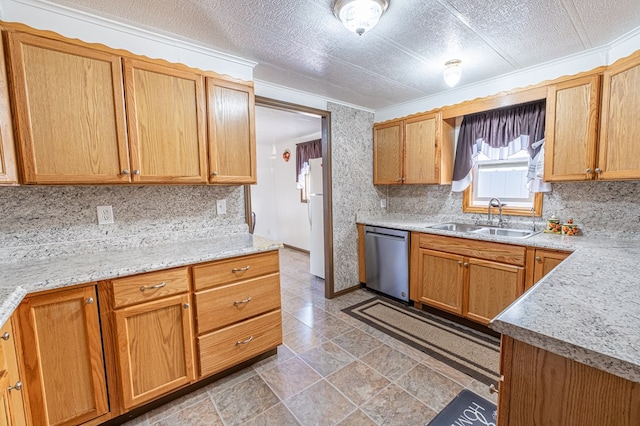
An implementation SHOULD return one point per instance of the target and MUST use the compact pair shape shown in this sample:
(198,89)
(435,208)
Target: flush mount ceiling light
(360,16)
(452,72)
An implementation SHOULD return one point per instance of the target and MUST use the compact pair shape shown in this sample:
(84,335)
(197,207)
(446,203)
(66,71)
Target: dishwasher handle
(386,233)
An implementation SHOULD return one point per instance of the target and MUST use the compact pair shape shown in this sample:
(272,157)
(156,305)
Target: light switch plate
(383,203)
(221,206)
(105,215)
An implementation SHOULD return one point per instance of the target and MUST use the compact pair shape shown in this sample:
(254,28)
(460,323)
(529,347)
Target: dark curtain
(497,128)
(306,151)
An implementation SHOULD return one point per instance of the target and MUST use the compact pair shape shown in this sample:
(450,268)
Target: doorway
(279,126)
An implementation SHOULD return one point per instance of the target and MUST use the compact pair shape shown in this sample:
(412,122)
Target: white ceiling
(300,44)
(274,126)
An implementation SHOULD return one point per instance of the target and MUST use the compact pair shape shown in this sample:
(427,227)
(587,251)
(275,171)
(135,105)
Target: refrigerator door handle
(309,212)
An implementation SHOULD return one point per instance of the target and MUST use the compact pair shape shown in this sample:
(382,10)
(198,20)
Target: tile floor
(331,370)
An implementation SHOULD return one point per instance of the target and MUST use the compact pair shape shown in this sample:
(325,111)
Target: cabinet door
(14,395)
(8,165)
(62,353)
(421,151)
(388,153)
(165,112)
(155,353)
(441,280)
(5,409)
(545,261)
(69,110)
(232,135)
(619,153)
(491,287)
(572,130)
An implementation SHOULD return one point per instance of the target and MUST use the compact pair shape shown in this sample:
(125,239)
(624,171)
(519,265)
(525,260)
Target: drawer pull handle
(17,386)
(246,268)
(244,342)
(153,287)
(242,302)
(6,336)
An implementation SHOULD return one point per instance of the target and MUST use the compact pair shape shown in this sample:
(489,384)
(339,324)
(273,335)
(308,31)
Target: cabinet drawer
(224,305)
(150,286)
(231,345)
(235,269)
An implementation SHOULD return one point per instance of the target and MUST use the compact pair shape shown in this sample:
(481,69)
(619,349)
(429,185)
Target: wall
(42,221)
(352,187)
(599,208)
(280,214)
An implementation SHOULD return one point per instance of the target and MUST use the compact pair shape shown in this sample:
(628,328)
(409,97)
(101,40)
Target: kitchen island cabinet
(540,262)
(64,376)
(541,388)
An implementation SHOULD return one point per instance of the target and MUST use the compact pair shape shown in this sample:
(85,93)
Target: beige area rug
(470,351)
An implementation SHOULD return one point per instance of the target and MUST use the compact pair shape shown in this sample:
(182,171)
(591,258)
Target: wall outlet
(383,203)
(221,206)
(105,215)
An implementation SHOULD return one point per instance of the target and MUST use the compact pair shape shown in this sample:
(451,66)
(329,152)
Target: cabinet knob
(186,306)
(89,300)
(493,389)
(214,173)
(466,264)
(6,336)
(460,262)
(126,172)
(17,386)
(136,172)
(598,170)
(588,170)
(538,259)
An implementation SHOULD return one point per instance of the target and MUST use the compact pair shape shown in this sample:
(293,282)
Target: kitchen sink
(458,227)
(480,229)
(505,232)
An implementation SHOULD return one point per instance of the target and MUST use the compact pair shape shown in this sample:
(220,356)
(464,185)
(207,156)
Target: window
(504,179)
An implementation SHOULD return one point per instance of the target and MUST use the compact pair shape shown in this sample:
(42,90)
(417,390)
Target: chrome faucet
(499,206)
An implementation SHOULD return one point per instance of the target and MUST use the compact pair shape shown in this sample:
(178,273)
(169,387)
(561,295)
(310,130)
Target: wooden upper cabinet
(572,130)
(8,165)
(417,150)
(69,110)
(62,354)
(388,146)
(619,153)
(165,112)
(231,131)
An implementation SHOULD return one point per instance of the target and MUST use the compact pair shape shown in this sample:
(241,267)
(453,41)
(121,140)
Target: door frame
(325,116)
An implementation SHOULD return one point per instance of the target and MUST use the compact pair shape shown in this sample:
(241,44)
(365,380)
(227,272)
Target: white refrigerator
(316,218)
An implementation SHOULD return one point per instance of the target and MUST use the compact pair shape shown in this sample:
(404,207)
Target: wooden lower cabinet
(154,348)
(540,388)
(11,388)
(64,373)
(465,285)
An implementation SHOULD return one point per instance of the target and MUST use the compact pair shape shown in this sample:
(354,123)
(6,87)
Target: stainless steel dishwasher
(387,261)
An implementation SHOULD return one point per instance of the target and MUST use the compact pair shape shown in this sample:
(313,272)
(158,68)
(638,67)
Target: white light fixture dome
(360,16)
(452,72)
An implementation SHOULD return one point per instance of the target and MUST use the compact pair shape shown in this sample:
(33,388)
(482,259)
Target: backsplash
(44,221)
(598,208)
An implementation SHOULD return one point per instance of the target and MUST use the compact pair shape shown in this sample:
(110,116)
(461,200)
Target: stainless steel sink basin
(458,227)
(480,229)
(505,232)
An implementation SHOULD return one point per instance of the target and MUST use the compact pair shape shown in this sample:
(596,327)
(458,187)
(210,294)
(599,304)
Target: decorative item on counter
(286,155)
(569,228)
(553,226)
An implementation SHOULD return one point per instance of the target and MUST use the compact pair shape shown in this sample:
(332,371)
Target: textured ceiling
(300,44)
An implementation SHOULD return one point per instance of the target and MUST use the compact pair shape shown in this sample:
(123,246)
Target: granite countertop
(19,279)
(586,309)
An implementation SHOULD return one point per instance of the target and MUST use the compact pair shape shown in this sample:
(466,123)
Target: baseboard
(296,248)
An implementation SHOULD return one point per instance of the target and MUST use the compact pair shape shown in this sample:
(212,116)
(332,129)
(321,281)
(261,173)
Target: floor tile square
(394,406)
(388,361)
(319,405)
(430,387)
(357,342)
(290,377)
(279,415)
(244,400)
(303,339)
(202,413)
(357,418)
(326,358)
(358,382)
